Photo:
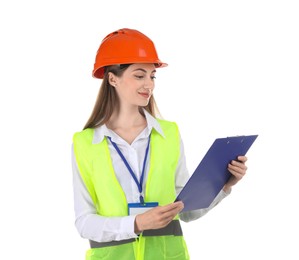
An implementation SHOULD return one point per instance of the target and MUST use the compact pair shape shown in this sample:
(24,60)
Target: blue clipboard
(211,174)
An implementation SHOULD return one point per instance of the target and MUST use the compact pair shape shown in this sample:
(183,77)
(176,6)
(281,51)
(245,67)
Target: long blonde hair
(107,100)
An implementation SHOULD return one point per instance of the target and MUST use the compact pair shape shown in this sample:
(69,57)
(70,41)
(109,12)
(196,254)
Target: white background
(233,70)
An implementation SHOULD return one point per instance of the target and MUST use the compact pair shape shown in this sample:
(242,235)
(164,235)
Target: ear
(112,79)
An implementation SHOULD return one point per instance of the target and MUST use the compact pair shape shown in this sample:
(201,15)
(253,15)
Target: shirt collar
(152,123)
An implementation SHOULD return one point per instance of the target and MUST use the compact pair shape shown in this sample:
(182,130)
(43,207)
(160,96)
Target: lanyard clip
(141,200)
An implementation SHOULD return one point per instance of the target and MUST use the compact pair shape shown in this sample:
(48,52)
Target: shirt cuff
(224,194)
(127,226)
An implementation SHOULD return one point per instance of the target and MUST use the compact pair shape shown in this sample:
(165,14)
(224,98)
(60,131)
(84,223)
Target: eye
(153,77)
(139,76)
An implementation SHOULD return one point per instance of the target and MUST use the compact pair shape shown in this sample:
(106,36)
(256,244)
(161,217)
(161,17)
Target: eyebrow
(143,70)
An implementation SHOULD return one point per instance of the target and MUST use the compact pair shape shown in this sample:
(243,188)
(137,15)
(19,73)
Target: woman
(129,165)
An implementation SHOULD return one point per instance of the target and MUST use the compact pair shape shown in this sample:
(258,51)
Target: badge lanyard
(139,184)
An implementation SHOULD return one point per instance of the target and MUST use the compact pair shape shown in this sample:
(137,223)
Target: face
(136,85)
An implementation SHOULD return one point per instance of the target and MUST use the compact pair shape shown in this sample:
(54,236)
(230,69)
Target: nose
(149,83)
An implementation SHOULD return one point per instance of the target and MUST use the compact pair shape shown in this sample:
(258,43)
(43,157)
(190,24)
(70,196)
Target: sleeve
(89,224)
(182,176)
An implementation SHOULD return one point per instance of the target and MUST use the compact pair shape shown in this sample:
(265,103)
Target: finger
(237,172)
(167,219)
(172,212)
(238,164)
(237,167)
(172,206)
(242,158)
(162,224)
(169,215)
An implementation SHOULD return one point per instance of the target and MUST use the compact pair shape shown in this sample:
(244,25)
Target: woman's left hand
(238,169)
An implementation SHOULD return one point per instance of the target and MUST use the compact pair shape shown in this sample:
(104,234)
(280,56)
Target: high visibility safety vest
(96,169)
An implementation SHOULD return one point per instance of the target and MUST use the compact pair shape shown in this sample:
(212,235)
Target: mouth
(145,94)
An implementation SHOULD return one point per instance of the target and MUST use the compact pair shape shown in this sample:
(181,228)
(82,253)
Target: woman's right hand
(157,217)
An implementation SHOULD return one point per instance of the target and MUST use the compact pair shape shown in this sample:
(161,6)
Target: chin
(143,103)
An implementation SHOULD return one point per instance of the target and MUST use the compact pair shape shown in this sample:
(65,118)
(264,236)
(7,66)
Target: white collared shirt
(103,229)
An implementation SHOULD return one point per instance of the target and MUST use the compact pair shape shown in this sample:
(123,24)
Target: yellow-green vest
(96,169)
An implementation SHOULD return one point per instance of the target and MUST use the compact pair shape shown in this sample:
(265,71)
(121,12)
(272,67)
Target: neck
(128,124)
(126,118)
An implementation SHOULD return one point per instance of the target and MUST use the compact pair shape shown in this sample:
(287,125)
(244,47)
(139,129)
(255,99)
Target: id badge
(138,208)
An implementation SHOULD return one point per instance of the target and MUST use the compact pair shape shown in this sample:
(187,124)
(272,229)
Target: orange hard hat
(125,46)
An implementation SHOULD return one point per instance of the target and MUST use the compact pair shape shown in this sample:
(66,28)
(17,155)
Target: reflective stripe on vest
(173,228)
